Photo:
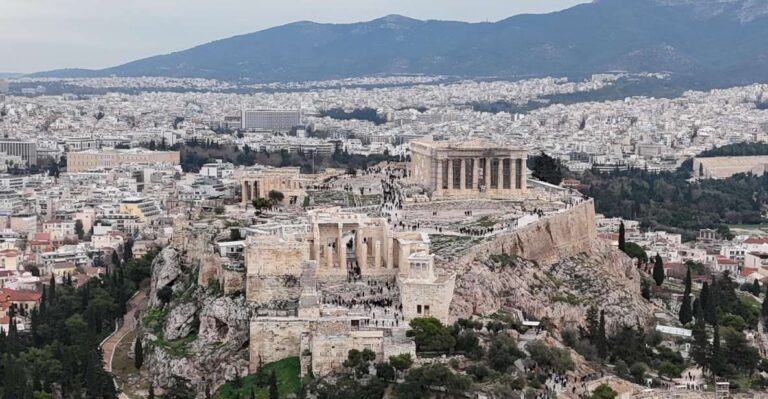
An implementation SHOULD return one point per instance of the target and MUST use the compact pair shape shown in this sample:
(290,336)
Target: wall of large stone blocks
(546,241)
(273,340)
(274,272)
(436,296)
(330,352)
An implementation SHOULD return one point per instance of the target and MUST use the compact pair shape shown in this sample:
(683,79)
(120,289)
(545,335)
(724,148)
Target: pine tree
(138,354)
(602,344)
(622,238)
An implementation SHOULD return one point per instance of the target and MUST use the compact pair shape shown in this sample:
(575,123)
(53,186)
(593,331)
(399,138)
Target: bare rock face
(166,268)
(181,321)
(560,291)
(204,344)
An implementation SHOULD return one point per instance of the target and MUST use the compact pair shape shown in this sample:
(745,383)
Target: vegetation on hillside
(59,350)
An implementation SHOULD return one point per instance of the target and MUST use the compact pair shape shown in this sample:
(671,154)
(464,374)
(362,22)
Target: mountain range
(715,40)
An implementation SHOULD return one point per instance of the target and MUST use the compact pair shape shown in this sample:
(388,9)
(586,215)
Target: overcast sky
(38,35)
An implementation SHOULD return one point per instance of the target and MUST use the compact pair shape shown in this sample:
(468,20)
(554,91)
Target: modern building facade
(472,169)
(27,150)
(275,119)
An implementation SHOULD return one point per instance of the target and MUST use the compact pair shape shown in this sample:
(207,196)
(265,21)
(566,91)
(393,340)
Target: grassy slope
(288,382)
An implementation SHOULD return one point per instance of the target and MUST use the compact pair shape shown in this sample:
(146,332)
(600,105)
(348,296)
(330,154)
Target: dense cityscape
(394,235)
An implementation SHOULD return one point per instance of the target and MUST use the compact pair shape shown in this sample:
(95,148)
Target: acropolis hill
(346,261)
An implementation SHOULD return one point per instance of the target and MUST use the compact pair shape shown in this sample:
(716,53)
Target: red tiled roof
(747,271)
(19,296)
(721,260)
(756,240)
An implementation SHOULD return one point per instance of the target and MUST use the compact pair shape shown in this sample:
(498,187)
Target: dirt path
(110,344)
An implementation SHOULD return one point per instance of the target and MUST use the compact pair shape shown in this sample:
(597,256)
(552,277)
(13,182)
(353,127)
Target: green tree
(276,196)
(715,359)
(601,340)
(658,270)
(138,354)
(273,393)
(638,372)
(547,169)
(700,346)
(635,251)
(764,308)
(430,335)
(164,294)
(756,288)
(79,229)
(622,237)
(685,314)
(604,391)
(401,362)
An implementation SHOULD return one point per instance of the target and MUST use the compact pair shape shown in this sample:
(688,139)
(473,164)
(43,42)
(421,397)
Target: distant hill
(722,40)
(7,75)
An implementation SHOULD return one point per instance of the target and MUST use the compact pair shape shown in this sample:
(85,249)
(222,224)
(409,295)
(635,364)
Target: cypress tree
(710,306)
(700,346)
(602,344)
(138,354)
(273,394)
(622,238)
(658,270)
(685,315)
(764,309)
(698,312)
(593,323)
(756,288)
(715,363)
(704,295)
(52,290)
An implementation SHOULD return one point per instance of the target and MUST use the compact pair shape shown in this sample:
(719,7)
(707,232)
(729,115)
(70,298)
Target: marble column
(244,192)
(377,254)
(476,174)
(500,173)
(341,248)
(463,177)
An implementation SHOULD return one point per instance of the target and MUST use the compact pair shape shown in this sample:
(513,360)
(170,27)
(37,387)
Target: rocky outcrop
(555,269)
(166,269)
(199,340)
(561,292)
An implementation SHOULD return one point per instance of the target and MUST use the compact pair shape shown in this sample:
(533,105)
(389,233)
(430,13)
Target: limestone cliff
(198,340)
(553,269)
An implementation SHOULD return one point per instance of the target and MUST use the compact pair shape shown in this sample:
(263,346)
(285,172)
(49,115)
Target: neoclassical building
(470,169)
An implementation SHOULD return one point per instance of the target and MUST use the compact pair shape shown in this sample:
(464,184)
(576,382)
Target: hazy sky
(39,35)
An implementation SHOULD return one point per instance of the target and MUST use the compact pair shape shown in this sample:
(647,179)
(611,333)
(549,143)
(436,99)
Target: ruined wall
(548,240)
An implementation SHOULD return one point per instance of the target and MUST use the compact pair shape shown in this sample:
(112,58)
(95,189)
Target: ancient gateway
(472,169)
(347,282)
(257,183)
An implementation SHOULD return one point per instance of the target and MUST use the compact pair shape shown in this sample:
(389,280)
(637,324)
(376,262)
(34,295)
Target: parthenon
(472,169)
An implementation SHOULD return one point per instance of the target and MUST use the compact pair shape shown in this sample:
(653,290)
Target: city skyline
(45,35)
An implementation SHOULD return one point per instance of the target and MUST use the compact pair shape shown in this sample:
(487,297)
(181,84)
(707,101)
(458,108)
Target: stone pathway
(109,345)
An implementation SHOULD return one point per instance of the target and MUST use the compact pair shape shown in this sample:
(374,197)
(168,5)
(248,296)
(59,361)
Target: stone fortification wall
(546,241)
(275,339)
(274,270)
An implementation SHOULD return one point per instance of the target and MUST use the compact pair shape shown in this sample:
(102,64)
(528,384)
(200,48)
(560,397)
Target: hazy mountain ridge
(707,38)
